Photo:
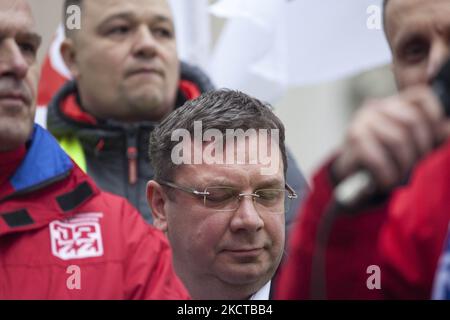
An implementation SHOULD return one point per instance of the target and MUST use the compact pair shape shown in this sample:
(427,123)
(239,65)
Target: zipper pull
(132,156)
(132,165)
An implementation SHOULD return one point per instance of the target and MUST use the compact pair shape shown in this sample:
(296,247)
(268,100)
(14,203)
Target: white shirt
(263,293)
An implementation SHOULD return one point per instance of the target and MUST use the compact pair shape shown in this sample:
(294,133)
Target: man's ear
(68,54)
(156,198)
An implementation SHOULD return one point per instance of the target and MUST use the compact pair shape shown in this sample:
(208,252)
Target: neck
(10,161)
(216,289)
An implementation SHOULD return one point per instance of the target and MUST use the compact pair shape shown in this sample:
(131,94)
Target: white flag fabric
(268,45)
(192,23)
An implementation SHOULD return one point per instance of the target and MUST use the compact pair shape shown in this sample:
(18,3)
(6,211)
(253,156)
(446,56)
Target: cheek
(197,233)
(102,66)
(173,68)
(33,80)
(275,227)
(212,230)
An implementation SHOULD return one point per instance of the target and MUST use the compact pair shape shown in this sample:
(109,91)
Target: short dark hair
(67,4)
(220,109)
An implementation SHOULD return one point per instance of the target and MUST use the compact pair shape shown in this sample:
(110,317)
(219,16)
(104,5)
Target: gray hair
(221,109)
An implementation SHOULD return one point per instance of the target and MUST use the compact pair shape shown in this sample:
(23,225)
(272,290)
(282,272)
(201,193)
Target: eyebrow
(22,35)
(271,183)
(407,36)
(131,16)
(219,181)
(266,184)
(32,36)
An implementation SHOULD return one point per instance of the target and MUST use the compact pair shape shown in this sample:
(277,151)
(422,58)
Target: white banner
(192,24)
(268,45)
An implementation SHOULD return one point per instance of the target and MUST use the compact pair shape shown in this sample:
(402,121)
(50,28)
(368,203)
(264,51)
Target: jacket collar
(46,186)
(44,163)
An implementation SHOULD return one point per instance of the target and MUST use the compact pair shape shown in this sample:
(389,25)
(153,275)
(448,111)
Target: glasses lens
(271,200)
(221,198)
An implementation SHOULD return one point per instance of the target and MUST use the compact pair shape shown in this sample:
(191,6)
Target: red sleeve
(149,273)
(403,236)
(412,238)
(352,247)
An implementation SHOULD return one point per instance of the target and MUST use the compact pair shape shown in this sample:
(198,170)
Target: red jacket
(63,238)
(404,236)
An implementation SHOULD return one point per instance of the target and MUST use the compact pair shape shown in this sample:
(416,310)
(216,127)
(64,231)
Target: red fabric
(9,162)
(50,83)
(190,89)
(403,236)
(72,110)
(136,259)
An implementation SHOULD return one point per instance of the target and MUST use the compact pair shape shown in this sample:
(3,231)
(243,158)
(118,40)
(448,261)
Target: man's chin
(246,275)
(143,88)
(146,107)
(13,134)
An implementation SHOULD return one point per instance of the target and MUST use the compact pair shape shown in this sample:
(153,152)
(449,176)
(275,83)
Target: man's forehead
(397,9)
(104,9)
(239,161)
(203,175)
(14,5)
(16,16)
(407,15)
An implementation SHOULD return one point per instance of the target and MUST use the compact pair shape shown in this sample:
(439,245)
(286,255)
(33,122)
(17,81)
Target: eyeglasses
(221,198)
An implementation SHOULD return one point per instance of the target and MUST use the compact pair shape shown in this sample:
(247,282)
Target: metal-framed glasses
(223,198)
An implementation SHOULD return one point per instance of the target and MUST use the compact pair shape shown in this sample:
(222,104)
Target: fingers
(389,136)
(395,146)
(431,109)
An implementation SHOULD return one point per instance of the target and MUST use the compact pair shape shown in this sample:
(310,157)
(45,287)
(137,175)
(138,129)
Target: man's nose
(12,61)
(145,45)
(438,56)
(246,216)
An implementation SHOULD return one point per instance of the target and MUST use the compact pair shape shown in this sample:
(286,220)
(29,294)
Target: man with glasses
(221,209)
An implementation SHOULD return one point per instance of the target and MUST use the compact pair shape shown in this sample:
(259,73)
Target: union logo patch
(77,238)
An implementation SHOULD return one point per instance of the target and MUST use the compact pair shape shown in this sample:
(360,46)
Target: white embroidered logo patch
(77,238)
